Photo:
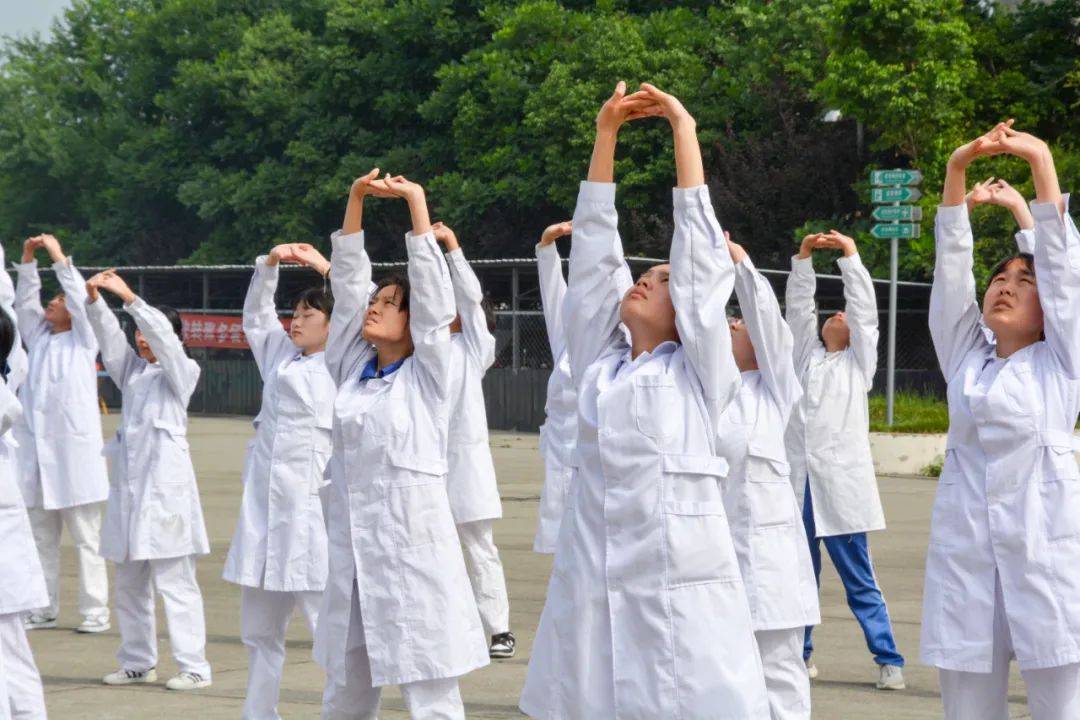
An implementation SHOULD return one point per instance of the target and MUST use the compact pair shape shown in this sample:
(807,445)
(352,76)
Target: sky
(22,17)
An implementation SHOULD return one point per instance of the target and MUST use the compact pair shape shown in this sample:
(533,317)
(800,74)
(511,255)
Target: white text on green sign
(897,212)
(894,194)
(895,230)
(895,177)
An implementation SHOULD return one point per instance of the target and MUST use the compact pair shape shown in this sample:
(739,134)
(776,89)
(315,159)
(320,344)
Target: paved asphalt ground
(72,665)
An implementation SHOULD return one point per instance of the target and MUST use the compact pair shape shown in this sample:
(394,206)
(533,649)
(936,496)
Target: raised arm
(431,301)
(350,278)
(181,371)
(17,361)
(702,279)
(1057,272)
(29,314)
(265,334)
(117,355)
(800,309)
(860,306)
(769,334)
(552,286)
(468,297)
(598,271)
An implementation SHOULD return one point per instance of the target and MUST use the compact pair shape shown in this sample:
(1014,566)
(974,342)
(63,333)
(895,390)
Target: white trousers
(486,575)
(349,694)
(84,524)
(264,618)
(786,679)
(1052,693)
(21,695)
(174,580)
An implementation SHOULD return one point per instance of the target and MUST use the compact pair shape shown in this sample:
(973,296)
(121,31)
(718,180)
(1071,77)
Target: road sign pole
(890,361)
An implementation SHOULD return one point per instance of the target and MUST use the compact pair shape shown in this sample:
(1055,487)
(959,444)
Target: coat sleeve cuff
(691,197)
(596,192)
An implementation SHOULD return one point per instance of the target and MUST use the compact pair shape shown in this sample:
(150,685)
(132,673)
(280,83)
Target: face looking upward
(385,321)
(741,346)
(1011,306)
(57,314)
(835,332)
(647,305)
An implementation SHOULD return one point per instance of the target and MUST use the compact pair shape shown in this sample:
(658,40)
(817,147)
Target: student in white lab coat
(278,552)
(1003,567)
(828,441)
(23,588)
(470,482)
(61,470)
(763,513)
(154,525)
(398,608)
(558,434)
(646,613)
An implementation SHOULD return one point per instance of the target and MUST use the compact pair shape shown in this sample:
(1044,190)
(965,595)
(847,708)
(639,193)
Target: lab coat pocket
(697,544)
(654,399)
(944,517)
(770,494)
(1060,487)
(418,503)
(693,478)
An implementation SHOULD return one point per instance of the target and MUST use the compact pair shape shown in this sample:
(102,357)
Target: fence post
(515,345)
(205,291)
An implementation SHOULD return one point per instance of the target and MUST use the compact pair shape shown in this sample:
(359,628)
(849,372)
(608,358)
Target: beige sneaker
(130,677)
(811,669)
(187,681)
(891,678)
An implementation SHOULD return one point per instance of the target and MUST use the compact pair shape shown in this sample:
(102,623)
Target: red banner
(217,331)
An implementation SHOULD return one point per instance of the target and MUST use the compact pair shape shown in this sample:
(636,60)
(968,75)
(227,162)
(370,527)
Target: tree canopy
(157,131)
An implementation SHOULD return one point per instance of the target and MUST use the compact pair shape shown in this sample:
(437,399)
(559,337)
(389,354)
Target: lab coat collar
(371,369)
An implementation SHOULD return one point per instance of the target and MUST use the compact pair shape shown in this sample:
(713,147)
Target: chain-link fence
(516,385)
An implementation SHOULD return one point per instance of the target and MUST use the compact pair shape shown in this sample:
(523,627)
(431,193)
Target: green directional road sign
(895,177)
(894,194)
(895,230)
(897,212)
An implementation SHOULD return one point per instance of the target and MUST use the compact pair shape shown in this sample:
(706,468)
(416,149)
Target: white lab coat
(765,519)
(154,510)
(558,434)
(389,525)
(23,588)
(828,437)
(60,458)
(646,613)
(470,482)
(1008,499)
(280,538)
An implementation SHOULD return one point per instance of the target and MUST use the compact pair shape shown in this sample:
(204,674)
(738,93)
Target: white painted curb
(905,453)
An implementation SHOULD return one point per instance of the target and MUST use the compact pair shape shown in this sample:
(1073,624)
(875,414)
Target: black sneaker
(502,645)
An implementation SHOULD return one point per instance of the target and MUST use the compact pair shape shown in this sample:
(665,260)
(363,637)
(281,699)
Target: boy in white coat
(278,552)
(23,589)
(154,525)
(62,471)
(470,480)
(828,440)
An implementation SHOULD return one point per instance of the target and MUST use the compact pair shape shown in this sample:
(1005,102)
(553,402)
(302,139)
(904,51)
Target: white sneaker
(187,681)
(93,625)
(811,669)
(38,621)
(891,678)
(130,677)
